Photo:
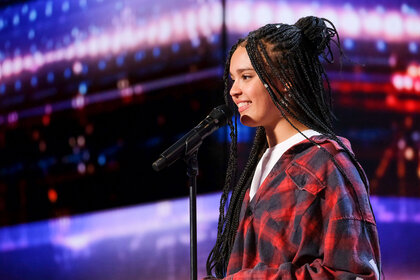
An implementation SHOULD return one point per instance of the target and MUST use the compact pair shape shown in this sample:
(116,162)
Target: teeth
(243,104)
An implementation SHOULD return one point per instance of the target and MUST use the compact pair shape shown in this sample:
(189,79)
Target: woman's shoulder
(318,152)
(324,161)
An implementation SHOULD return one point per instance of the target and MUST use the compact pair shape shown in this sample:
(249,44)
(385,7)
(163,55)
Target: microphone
(190,142)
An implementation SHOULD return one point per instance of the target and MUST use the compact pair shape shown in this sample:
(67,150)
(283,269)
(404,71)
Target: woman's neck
(282,131)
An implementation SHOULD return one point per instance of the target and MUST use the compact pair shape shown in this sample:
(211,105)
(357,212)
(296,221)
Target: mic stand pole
(192,172)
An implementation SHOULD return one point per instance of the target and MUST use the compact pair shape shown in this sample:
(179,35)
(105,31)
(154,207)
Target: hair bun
(316,31)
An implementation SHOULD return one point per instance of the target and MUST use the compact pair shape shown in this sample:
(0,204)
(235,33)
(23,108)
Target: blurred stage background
(91,91)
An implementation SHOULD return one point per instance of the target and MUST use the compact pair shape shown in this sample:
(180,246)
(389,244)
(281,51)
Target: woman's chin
(248,121)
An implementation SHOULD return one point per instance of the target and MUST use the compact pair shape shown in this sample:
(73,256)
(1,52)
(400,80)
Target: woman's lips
(242,106)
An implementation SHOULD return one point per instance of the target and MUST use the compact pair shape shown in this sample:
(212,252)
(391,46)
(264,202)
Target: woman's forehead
(240,61)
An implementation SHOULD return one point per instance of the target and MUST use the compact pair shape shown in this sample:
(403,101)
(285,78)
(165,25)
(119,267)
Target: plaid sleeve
(307,222)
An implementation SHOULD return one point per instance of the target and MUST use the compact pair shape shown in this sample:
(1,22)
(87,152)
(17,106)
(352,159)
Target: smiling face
(248,92)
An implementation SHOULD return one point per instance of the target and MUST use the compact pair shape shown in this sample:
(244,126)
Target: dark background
(92,91)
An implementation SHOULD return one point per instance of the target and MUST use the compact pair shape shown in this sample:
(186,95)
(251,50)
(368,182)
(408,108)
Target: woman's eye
(246,77)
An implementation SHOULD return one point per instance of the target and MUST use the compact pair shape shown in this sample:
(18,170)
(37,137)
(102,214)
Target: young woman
(300,209)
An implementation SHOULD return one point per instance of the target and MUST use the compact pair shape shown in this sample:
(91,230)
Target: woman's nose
(235,90)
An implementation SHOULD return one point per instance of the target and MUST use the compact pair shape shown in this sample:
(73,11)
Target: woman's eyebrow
(240,70)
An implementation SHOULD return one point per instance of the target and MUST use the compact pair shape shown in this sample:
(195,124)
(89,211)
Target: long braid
(256,61)
(288,54)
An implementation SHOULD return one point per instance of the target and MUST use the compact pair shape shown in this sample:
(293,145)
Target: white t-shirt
(272,155)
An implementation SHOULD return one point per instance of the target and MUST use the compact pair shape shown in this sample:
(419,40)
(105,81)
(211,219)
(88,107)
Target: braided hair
(287,60)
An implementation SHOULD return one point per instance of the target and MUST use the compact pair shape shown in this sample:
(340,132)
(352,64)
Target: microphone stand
(192,172)
(187,147)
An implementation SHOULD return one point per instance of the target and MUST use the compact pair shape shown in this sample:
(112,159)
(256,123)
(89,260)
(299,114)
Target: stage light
(49,57)
(175,47)
(72,142)
(48,109)
(415,136)
(52,195)
(412,47)
(70,52)
(82,3)
(164,34)
(50,77)
(16,20)
(34,81)
(139,55)
(81,168)
(330,14)
(18,85)
(80,49)
(17,65)
(12,117)
(67,73)
(413,70)
(48,8)
(65,6)
(195,42)
(401,144)
(85,69)
(82,88)
(39,59)
(412,26)
(350,23)
(28,63)
(123,83)
(77,67)
(32,15)
(417,85)
(31,34)
(120,60)
(381,46)
(372,23)
(398,81)
(349,44)
(127,38)
(151,33)
(263,14)
(204,20)
(101,160)
(393,26)
(6,68)
(178,25)
(101,65)
(408,83)
(304,11)
(216,16)
(104,44)
(46,119)
(156,52)
(241,16)
(81,141)
(409,153)
(78,102)
(191,24)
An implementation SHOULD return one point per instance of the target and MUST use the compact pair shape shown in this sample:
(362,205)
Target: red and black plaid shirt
(306,221)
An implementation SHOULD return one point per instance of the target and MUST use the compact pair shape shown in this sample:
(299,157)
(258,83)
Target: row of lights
(351,22)
(409,81)
(189,24)
(79,68)
(32,13)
